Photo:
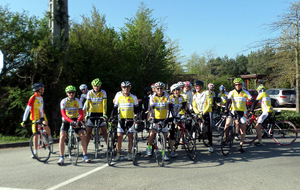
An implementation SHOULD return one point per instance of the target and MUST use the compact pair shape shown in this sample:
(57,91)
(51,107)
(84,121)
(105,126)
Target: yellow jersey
(161,105)
(126,105)
(96,103)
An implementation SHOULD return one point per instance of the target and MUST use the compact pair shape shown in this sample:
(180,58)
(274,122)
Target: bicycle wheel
(39,142)
(218,126)
(190,145)
(96,140)
(251,133)
(284,133)
(110,147)
(73,148)
(160,149)
(226,142)
(135,149)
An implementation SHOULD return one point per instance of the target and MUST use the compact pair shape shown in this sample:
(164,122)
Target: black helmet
(146,89)
(198,83)
(37,86)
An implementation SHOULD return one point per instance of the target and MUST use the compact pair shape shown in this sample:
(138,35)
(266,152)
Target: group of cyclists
(156,105)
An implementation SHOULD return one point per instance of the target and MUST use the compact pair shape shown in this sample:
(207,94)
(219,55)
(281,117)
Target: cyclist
(72,115)
(177,103)
(183,94)
(126,104)
(84,89)
(222,96)
(266,108)
(160,110)
(145,104)
(202,106)
(237,99)
(96,106)
(35,106)
(211,87)
(188,91)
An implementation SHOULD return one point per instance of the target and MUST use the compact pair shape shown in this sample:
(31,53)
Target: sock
(118,154)
(35,151)
(149,146)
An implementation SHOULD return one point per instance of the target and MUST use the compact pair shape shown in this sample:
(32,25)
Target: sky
(224,27)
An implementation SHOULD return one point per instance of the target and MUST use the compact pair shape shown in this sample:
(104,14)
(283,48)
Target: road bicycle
(39,144)
(135,148)
(228,137)
(72,142)
(200,130)
(96,135)
(159,142)
(187,137)
(282,132)
(112,141)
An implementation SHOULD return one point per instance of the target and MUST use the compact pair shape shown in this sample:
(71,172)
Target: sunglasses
(159,88)
(178,89)
(238,84)
(71,92)
(125,86)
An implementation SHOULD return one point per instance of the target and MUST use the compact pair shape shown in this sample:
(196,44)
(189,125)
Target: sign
(1,61)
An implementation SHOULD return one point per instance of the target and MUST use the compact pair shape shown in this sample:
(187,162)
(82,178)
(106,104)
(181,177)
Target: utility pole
(297,62)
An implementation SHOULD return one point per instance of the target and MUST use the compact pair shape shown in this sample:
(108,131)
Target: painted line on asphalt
(10,188)
(78,177)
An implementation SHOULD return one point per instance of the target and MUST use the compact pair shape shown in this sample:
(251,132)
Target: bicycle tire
(110,153)
(251,133)
(284,133)
(190,145)
(43,149)
(205,137)
(160,149)
(216,130)
(135,149)
(226,142)
(73,148)
(96,143)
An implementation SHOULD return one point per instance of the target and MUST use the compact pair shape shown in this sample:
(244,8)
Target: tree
(286,65)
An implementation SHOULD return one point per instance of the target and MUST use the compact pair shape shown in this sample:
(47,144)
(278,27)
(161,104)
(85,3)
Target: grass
(11,139)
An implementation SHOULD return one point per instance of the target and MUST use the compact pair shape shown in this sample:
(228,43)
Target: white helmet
(125,83)
(160,84)
(181,84)
(174,86)
(82,87)
(210,86)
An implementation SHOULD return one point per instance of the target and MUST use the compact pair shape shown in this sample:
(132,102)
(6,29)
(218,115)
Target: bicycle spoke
(284,133)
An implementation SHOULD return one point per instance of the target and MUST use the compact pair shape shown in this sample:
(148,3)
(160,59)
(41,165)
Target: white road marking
(77,177)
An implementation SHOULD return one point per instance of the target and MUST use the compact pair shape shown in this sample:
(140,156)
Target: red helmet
(187,83)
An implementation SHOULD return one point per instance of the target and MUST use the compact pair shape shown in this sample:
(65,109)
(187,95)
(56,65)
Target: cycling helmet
(82,87)
(210,86)
(174,86)
(181,84)
(238,80)
(187,83)
(198,83)
(153,85)
(125,83)
(160,84)
(222,88)
(96,82)
(260,87)
(37,86)
(70,88)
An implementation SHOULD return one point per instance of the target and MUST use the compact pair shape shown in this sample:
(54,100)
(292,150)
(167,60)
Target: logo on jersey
(128,100)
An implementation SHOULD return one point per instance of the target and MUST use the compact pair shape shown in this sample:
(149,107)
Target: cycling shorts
(238,115)
(91,122)
(154,126)
(262,118)
(128,126)
(65,126)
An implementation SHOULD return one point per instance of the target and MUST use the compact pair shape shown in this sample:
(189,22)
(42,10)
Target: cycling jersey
(185,97)
(223,97)
(71,109)
(176,105)
(238,100)
(160,105)
(96,103)
(265,101)
(127,105)
(202,102)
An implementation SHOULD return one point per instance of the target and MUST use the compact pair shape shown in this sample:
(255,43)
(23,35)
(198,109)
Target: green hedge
(291,116)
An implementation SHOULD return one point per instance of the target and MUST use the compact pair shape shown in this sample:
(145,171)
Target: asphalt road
(268,167)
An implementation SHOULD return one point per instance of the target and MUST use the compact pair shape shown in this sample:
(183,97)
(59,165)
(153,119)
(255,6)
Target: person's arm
(64,115)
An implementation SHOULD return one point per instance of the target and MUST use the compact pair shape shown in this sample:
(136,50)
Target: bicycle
(135,149)
(282,132)
(200,131)
(112,141)
(159,142)
(227,137)
(189,142)
(96,138)
(39,142)
(72,144)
